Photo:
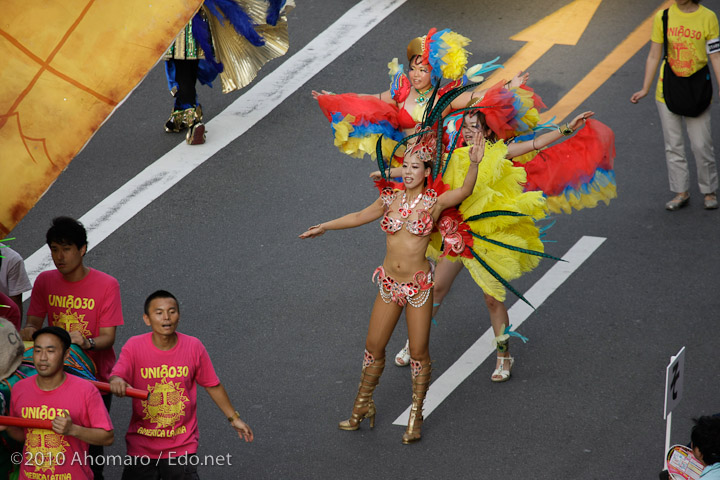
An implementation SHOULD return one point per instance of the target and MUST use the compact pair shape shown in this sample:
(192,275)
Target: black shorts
(181,469)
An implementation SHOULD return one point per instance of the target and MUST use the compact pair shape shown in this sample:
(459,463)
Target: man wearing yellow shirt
(693,41)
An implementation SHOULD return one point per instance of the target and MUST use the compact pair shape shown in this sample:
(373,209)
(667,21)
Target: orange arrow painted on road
(604,70)
(564,27)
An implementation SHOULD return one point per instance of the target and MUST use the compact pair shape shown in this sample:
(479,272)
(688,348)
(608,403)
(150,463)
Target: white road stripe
(246,111)
(519,312)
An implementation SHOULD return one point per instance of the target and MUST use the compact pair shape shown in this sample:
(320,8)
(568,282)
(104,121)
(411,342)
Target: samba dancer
(358,120)
(498,124)
(406,277)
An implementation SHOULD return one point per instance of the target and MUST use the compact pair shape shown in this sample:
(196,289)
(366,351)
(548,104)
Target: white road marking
(519,312)
(110,214)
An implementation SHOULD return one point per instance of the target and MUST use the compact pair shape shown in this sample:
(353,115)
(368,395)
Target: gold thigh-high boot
(364,406)
(420,385)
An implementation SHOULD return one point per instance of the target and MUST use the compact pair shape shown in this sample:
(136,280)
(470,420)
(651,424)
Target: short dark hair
(484,128)
(66,231)
(61,333)
(705,436)
(158,294)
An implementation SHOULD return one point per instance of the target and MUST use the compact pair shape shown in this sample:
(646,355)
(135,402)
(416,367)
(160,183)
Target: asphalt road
(284,320)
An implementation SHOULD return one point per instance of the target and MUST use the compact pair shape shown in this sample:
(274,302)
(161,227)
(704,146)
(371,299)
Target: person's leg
(678,175)
(97,451)
(186,111)
(138,471)
(186,79)
(182,468)
(445,273)
(186,99)
(383,319)
(700,135)
(499,320)
(418,322)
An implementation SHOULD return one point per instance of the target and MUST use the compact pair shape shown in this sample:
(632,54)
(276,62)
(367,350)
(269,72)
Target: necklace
(405,210)
(421,98)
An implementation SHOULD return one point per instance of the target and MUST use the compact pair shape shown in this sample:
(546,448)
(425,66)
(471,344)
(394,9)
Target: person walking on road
(693,41)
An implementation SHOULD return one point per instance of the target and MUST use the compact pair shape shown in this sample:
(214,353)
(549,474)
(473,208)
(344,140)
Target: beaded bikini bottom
(415,293)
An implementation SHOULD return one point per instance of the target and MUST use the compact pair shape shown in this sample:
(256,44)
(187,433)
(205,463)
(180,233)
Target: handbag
(686,96)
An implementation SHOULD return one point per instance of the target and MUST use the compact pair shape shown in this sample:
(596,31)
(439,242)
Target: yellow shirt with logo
(690,37)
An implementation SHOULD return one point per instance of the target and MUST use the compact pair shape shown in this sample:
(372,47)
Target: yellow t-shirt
(691,36)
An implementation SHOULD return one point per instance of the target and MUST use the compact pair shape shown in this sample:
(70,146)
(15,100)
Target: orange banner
(65,65)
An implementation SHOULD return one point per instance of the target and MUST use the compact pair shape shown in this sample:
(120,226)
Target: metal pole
(667,437)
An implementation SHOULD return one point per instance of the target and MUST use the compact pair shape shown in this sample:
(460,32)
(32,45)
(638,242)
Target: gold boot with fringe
(196,132)
(420,384)
(364,406)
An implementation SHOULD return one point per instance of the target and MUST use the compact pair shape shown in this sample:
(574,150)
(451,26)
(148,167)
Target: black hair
(66,231)
(159,294)
(705,436)
(61,333)
(486,130)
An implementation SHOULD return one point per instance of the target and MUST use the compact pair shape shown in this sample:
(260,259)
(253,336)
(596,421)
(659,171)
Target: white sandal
(402,359)
(501,374)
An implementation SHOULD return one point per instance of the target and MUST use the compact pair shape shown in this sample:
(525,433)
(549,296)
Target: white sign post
(674,376)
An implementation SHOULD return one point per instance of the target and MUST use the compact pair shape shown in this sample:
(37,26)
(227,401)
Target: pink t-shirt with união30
(165,424)
(47,454)
(85,306)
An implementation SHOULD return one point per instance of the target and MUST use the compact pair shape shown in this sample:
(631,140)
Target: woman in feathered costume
(409,211)
(232,38)
(359,120)
(572,173)
(509,238)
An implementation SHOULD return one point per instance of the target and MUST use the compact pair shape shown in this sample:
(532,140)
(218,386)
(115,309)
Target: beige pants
(698,129)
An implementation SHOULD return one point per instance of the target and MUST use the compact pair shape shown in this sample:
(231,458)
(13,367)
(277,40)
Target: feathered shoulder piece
(429,131)
(399,82)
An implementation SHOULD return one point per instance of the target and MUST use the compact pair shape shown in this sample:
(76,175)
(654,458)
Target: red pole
(130,392)
(25,422)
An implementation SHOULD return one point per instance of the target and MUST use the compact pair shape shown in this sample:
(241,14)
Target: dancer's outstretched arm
(542,141)
(366,215)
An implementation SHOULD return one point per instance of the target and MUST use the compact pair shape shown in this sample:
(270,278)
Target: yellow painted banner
(65,65)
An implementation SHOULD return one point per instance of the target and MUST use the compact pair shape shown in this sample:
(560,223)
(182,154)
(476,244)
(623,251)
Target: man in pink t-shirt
(73,405)
(82,300)
(169,365)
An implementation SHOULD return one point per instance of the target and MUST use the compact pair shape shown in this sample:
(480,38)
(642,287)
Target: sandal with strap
(677,202)
(402,359)
(711,201)
(501,374)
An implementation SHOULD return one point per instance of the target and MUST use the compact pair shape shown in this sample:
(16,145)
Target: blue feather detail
(547,125)
(273,13)
(208,68)
(515,334)
(201,33)
(365,128)
(237,18)
(170,75)
(544,229)
(395,81)
(208,72)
